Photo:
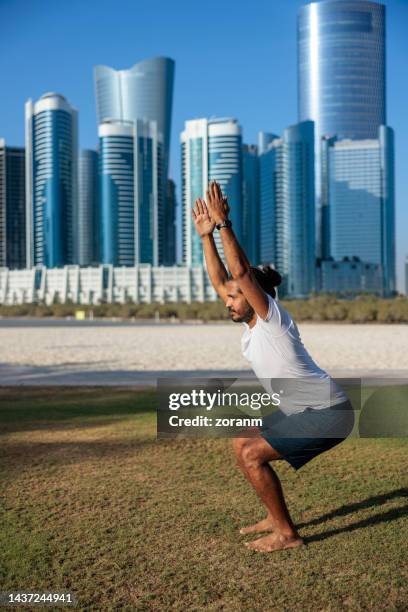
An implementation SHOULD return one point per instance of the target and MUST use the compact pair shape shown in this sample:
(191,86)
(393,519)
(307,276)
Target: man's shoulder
(278,319)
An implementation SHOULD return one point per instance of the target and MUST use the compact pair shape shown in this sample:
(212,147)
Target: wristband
(226,223)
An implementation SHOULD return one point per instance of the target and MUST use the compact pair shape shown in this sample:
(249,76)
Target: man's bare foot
(264,525)
(275,541)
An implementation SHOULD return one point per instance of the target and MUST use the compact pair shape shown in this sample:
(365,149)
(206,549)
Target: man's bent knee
(238,444)
(258,452)
(250,456)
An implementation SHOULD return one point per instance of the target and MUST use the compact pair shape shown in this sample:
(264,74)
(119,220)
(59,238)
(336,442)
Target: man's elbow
(240,274)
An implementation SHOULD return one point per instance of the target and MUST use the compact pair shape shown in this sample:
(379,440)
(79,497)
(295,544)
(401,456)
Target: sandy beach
(156,348)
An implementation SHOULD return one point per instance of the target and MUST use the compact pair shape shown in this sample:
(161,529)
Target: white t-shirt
(282,364)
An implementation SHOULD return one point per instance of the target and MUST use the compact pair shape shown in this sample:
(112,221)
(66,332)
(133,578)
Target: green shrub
(362,309)
(362,312)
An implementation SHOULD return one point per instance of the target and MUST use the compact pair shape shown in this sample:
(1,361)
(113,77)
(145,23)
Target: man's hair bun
(267,277)
(271,274)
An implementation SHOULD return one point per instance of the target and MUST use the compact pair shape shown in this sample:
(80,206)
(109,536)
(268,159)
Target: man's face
(239,309)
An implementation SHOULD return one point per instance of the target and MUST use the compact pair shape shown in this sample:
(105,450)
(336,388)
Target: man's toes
(271,543)
(253,545)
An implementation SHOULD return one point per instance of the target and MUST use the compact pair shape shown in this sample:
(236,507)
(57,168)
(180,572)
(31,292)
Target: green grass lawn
(95,504)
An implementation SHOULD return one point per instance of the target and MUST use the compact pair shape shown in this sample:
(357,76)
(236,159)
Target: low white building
(106,284)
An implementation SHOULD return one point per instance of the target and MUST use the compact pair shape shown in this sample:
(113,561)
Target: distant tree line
(361,309)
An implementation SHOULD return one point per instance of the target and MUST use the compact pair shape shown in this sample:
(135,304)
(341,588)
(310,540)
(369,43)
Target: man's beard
(246,317)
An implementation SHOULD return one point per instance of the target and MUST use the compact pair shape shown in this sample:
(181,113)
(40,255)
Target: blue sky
(233,58)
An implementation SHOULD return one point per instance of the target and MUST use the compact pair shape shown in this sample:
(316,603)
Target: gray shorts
(302,436)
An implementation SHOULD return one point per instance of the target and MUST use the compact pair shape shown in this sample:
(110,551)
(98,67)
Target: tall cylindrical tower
(51,181)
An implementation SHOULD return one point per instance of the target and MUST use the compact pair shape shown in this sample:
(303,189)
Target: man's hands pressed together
(206,215)
(217,203)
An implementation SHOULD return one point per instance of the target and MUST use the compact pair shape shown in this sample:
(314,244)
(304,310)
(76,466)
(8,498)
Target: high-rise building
(271,207)
(170,225)
(51,181)
(359,180)
(325,143)
(143,93)
(150,211)
(88,211)
(341,67)
(116,193)
(211,149)
(264,139)
(341,74)
(129,176)
(250,203)
(287,204)
(12,207)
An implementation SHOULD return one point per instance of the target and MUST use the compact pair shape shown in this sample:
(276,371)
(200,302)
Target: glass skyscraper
(12,207)
(341,67)
(51,181)
(143,93)
(250,202)
(287,205)
(359,175)
(341,74)
(264,139)
(116,193)
(129,179)
(211,149)
(272,206)
(299,190)
(88,208)
(149,196)
(170,225)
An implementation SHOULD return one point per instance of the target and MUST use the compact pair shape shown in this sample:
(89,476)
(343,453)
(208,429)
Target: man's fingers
(193,213)
(205,209)
(199,206)
(208,198)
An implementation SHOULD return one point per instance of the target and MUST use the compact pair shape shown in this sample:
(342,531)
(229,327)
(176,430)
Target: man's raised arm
(237,260)
(215,267)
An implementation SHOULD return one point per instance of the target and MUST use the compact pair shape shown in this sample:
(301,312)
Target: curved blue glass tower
(51,181)
(341,75)
(341,67)
(144,91)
